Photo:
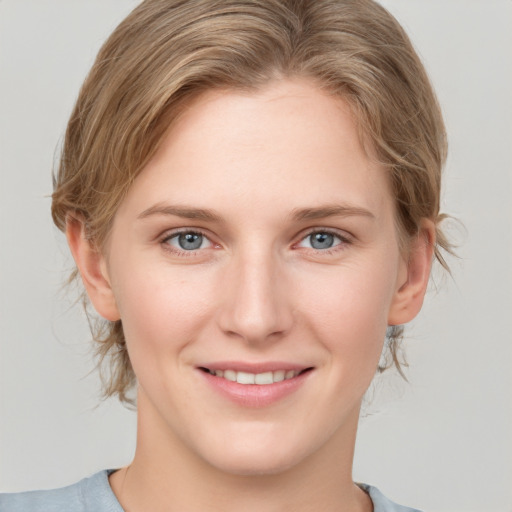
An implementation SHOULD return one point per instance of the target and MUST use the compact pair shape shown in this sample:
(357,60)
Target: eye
(188,241)
(321,240)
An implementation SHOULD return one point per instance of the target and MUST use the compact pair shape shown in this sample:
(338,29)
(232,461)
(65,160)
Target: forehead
(286,144)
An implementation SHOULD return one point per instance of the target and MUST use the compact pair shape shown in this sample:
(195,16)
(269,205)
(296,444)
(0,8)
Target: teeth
(255,378)
(264,378)
(230,375)
(279,375)
(245,378)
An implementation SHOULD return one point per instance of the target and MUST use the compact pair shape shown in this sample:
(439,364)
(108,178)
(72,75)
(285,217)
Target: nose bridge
(257,305)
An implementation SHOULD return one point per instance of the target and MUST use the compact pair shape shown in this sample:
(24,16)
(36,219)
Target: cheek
(162,311)
(348,310)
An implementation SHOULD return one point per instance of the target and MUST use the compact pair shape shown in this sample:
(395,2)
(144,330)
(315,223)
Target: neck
(166,476)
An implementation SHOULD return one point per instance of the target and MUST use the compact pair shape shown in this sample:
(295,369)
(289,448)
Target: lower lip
(255,395)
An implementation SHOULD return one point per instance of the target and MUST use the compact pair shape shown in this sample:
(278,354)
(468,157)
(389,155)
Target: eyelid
(344,237)
(172,233)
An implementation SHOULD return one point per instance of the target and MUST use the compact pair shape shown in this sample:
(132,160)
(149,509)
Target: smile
(263,379)
(255,385)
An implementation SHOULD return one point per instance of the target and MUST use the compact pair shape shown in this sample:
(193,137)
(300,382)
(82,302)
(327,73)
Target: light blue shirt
(94,494)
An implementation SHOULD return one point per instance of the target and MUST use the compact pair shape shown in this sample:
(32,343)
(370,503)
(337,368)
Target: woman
(250,191)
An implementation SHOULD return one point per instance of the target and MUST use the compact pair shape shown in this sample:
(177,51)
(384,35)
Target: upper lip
(256,367)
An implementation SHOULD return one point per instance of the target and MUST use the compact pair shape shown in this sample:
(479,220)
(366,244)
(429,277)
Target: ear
(414,276)
(93,269)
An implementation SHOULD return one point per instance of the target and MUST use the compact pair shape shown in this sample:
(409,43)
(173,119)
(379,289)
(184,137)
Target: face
(255,266)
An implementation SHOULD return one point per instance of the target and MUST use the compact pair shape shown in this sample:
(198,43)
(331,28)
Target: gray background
(441,443)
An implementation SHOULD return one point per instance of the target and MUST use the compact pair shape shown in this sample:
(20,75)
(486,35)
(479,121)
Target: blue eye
(188,241)
(321,240)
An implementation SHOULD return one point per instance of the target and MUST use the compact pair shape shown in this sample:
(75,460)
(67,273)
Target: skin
(256,290)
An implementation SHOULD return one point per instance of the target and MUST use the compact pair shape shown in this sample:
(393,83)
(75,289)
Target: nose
(257,303)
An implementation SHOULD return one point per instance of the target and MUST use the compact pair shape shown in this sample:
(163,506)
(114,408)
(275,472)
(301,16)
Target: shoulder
(383,504)
(91,494)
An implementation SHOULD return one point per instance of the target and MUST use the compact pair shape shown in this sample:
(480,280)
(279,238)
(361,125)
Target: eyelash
(181,252)
(344,240)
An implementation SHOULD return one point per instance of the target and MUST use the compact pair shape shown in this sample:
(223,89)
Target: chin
(246,456)
(245,465)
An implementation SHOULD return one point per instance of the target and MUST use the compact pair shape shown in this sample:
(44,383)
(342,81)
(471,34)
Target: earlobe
(408,298)
(93,270)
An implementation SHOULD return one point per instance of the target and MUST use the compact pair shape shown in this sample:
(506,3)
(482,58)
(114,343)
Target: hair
(167,52)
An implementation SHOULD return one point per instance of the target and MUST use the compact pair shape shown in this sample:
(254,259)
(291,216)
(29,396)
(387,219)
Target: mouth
(255,385)
(261,379)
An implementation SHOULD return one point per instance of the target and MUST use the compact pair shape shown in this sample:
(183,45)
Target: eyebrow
(184,212)
(299,214)
(334,210)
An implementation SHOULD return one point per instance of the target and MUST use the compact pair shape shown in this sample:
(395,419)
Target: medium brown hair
(167,52)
